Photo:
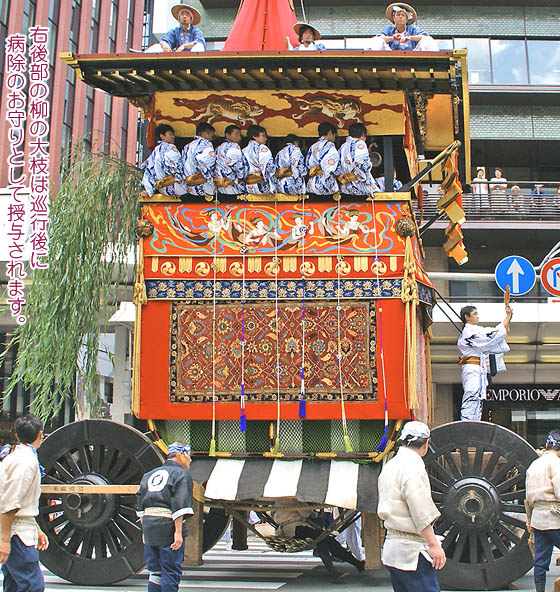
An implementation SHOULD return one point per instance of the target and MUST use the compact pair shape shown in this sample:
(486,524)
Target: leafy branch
(91,236)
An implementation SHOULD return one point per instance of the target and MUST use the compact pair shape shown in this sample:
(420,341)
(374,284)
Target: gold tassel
(212,451)
(347,445)
(276,446)
(409,296)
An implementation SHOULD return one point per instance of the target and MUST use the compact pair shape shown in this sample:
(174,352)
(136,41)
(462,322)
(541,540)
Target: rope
(276,268)
(346,438)
(212,451)
(242,415)
(384,438)
(302,412)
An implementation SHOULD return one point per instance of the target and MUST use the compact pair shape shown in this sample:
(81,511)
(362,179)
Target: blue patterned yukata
(311,47)
(410,30)
(259,160)
(291,157)
(164,160)
(199,157)
(176,37)
(354,158)
(325,155)
(231,165)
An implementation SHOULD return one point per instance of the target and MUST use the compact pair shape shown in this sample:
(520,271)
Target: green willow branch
(91,235)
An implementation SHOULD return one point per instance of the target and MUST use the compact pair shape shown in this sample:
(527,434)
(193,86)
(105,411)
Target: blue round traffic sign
(517,273)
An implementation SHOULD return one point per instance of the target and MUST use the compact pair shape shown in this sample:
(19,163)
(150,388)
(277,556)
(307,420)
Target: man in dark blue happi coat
(164,501)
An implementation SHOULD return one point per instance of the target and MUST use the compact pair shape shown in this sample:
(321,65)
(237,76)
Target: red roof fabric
(262,25)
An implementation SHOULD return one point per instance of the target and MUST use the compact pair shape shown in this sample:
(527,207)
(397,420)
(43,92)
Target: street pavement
(261,569)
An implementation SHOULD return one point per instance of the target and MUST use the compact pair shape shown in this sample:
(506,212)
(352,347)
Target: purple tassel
(383,442)
(302,408)
(242,422)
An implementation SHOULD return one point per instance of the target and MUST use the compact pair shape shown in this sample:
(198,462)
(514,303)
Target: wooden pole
(239,535)
(193,544)
(372,534)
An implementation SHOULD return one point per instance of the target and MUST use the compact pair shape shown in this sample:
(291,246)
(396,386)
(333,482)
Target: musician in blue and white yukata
(186,37)
(290,168)
(476,344)
(199,162)
(322,162)
(163,169)
(260,178)
(231,167)
(354,168)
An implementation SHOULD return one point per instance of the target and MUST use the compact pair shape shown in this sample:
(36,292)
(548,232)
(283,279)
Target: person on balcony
(290,168)
(163,169)
(322,161)
(476,345)
(515,200)
(538,199)
(308,37)
(231,167)
(354,167)
(480,190)
(402,34)
(260,179)
(186,37)
(199,162)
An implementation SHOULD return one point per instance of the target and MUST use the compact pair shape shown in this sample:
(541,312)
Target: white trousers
(157,48)
(427,43)
(352,536)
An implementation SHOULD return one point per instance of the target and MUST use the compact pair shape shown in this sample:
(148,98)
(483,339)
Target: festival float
(286,338)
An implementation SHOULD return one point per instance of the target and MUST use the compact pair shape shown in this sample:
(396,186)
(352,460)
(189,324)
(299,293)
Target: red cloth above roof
(262,25)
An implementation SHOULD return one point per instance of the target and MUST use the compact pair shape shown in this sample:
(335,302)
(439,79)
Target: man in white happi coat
(322,161)
(411,552)
(543,507)
(290,168)
(231,166)
(163,169)
(354,167)
(476,344)
(260,179)
(199,162)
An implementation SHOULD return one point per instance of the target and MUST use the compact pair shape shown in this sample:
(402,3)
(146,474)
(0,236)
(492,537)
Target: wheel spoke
(437,484)
(100,549)
(51,479)
(461,540)
(452,464)
(518,523)
(509,534)
(491,465)
(513,495)
(110,542)
(478,458)
(121,534)
(87,545)
(96,456)
(58,521)
(51,509)
(465,463)
(132,474)
(117,469)
(108,459)
(73,467)
(511,482)
(483,538)
(497,540)
(450,537)
(497,477)
(473,549)
(75,541)
(83,453)
(65,533)
(63,472)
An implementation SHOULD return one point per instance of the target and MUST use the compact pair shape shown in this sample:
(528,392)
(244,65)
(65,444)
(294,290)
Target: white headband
(415,430)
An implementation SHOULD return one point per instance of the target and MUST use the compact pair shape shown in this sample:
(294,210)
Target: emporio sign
(518,395)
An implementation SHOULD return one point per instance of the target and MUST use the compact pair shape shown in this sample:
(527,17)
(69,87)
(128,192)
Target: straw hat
(175,10)
(301,25)
(411,12)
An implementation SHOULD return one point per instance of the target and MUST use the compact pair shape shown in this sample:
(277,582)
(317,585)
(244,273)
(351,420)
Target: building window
(509,62)
(544,62)
(478,59)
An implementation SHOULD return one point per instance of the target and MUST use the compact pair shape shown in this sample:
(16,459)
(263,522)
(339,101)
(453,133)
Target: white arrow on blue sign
(516,272)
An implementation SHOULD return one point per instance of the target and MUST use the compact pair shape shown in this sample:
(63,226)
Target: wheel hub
(473,503)
(89,511)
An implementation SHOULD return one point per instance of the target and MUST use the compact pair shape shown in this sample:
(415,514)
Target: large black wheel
(477,473)
(94,539)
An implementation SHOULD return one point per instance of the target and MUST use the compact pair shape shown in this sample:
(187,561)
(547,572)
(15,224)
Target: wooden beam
(372,535)
(89,489)
(193,544)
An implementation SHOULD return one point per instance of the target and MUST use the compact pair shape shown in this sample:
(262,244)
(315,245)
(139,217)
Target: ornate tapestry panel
(191,351)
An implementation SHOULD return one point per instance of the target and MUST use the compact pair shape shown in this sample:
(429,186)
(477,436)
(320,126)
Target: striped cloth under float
(345,484)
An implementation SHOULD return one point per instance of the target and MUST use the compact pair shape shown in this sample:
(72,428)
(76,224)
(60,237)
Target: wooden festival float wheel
(477,474)
(96,539)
